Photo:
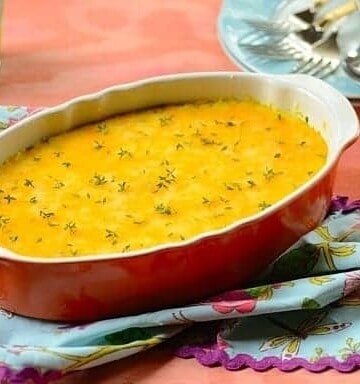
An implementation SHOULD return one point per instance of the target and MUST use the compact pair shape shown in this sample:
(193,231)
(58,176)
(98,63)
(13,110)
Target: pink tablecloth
(53,50)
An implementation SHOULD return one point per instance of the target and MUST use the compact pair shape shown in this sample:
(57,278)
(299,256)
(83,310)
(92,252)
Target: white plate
(231,29)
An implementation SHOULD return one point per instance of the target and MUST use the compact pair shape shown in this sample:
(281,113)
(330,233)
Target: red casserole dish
(95,287)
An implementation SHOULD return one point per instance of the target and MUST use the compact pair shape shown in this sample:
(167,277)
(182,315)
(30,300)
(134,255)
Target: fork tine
(306,64)
(258,40)
(330,67)
(279,49)
(317,66)
(275,27)
(282,48)
(323,65)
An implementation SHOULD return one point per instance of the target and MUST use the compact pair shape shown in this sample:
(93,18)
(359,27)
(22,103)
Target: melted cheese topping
(152,177)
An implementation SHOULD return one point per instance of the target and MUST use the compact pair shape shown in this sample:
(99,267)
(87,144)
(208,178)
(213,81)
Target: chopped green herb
(98,145)
(123,186)
(66,164)
(205,200)
(59,184)
(102,201)
(46,215)
(166,180)
(139,222)
(263,205)
(232,186)
(111,236)
(9,198)
(4,221)
(29,183)
(165,120)
(102,127)
(98,179)
(71,227)
(163,209)
(207,141)
(124,153)
(269,173)
(223,200)
(126,248)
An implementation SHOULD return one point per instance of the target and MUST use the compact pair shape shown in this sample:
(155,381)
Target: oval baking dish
(98,286)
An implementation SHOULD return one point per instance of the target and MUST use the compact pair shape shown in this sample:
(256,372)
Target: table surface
(55,50)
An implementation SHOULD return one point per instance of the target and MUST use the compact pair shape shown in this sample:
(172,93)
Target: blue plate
(231,29)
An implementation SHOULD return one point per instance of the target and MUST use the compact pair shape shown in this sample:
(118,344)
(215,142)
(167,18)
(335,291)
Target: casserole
(94,287)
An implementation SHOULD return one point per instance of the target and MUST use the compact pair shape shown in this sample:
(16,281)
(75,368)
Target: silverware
(314,33)
(317,65)
(352,63)
(282,49)
(308,15)
(307,61)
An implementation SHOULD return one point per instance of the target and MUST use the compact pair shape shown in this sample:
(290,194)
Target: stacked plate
(233,29)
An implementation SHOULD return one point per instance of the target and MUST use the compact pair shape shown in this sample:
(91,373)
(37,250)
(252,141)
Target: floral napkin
(304,312)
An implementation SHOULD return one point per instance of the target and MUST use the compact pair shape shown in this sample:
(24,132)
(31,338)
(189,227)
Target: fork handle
(337,13)
(318,3)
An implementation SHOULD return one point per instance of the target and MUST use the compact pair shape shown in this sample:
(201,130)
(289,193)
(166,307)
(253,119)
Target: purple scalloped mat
(341,203)
(216,357)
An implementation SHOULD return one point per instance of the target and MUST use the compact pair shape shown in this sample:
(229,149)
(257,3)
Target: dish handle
(343,111)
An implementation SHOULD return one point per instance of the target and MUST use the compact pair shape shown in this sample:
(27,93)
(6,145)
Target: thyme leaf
(29,183)
(71,227)
(98,179)
(9,198)
(4,221)
(163,209)
(112,236)
(124,153)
